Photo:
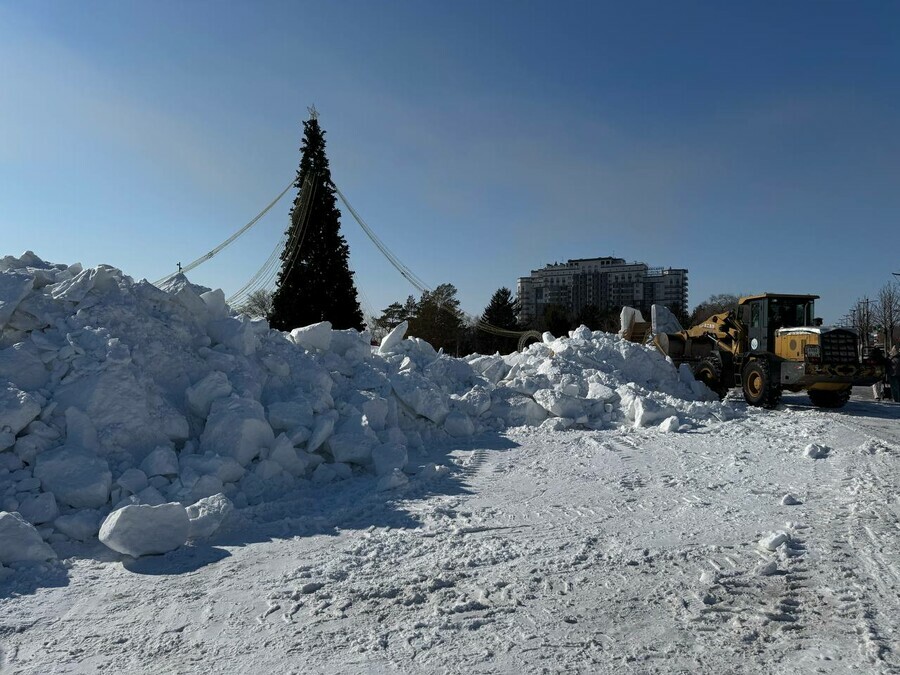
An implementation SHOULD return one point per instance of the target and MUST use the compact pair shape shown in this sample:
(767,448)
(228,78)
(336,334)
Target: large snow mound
(116,393)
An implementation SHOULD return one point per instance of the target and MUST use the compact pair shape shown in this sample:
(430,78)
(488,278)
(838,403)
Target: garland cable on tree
(409,275)
(202,259)
(266,274)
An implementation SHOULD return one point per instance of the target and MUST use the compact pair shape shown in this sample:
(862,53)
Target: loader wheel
(835,398)
(760,388)
(709,372)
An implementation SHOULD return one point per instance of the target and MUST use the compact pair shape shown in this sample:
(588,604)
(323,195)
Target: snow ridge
(118,395)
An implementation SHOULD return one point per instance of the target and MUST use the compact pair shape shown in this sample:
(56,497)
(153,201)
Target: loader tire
(829,399)
(760,387)
(709,372)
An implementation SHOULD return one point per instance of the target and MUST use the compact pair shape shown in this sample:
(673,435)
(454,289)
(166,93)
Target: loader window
(754,315)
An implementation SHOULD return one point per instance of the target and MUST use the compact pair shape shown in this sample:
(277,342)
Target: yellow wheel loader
(770,343)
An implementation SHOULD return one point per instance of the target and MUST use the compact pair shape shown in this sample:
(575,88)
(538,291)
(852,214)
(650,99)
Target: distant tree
(258,304)
(862,318)
(315,283)
(887,312)
(438,319)
(715,304)
(590,316)
(500,313)
(395,314)
(556,320)
(468,337)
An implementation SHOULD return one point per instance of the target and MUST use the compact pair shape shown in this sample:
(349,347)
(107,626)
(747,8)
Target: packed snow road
(624,551)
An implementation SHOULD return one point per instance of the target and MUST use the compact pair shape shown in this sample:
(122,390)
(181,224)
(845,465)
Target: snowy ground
(620,550)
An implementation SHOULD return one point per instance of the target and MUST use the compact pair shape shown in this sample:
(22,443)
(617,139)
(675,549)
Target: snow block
(13,289)
(235,334)
(146,530)
(517,410)
(201,395)
(421,395)
(376,411)
(314,337)
(323,428)
(161,462)
(816,451)
(151,496)
(207,515)
(286,455)
(39,509)
(23,368)
(80,430)
(558,403)
(21,541)
(133,480)
(670,424)
(474,402)
(387,457)
(351,448)
(17,408)
(81,525)
(773,540)
(215,303)
(226,469)
(76,476)
(459,425)
(288,415)
(237,427)
(395,479)
(390,341)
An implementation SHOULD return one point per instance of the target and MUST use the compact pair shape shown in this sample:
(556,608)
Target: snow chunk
(13,289)
(816,451)
(421,395)
(81,525)
(351,447)
(235,334)
(558,403)
(459,424)
(211,388)
(39,509)
(144,530)
(670,424)
(76,476)
(237,427)
(21,541)
(215,303)
(161,462)
(773,540)
(324,427)
(790,500)
(286,456)
(314,337)
(207,515)
(17,408)
(288,415)
(392,481)
(133,480)
(390,341)
(23,367)
(387,457)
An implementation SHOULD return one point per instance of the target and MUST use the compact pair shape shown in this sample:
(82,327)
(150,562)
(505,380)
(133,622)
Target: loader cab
(766,313)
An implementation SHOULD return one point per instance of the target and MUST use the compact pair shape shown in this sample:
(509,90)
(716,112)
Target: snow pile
(122,404)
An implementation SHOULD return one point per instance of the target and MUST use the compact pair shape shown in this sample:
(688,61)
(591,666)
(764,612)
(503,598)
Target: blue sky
(756,144)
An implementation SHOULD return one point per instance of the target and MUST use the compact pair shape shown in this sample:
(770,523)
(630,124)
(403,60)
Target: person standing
(893,372)
(880,360)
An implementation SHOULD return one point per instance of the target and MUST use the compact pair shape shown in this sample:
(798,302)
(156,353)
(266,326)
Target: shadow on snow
(308,510)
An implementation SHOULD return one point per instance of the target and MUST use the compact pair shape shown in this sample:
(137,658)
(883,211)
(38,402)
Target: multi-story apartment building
(608,283)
